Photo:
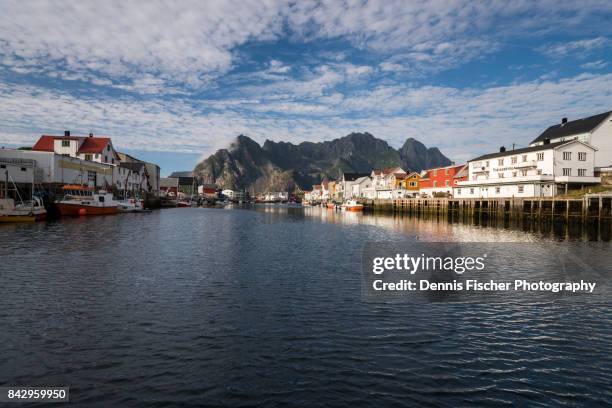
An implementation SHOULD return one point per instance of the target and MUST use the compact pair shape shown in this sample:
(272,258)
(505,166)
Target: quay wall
(598,206)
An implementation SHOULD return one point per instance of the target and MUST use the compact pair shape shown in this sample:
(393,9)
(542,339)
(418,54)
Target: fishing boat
(26,211)
(131,205)
(331,206)
(352,205)
(29,211)
(79,200)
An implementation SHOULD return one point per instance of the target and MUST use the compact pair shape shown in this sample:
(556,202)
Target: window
(524,173)
(101,199)
(2,166)
(413,184)
(471,191)
(567,155)
(105,159)
(458,191)
(24,169)
(97,155)
(435,172)
(540,156)
(113,161)
(65,143)
(447,183)
(500,175)
(582,172)
(108,148)
(513,160)
(447,172)
(487,163)
(582,156)
(567,172)
(539,172)
(521,189)
(524,158)
(88,157)
(497,190)
(435,184)
(500,162)
(514,174)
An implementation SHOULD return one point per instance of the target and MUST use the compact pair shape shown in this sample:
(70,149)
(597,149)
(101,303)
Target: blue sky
(174,81)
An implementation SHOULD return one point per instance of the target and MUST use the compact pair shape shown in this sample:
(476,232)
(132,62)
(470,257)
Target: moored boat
(352,205)
(130,205)
(31,211)
(79,200)
(331,206)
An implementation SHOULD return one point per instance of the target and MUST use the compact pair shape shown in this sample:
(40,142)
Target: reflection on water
(482,227)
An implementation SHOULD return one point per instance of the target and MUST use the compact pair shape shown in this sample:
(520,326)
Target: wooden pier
(591,206)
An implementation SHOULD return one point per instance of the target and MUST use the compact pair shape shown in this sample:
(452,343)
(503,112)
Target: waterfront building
(360,188)
(151,172)
(385,182)
(347,182)
(543,170)
(595,130)
(207,191)
(441,180)
(89,148)
(169,186)
(53,170)
(412,184)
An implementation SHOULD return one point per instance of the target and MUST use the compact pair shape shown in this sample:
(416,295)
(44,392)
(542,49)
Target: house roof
(400,176)
(353,176)
(574,127)
(525,150)
(90,144)
(463,172)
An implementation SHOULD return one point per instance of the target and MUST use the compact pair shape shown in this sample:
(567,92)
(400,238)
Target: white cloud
(599,64)
(462,122)
(190,43)
(579,48)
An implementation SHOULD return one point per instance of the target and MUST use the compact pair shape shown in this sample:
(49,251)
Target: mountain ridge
(281,166)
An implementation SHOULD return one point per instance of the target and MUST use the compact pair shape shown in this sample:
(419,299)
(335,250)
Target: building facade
(595,131)
(441,180)
(538,171)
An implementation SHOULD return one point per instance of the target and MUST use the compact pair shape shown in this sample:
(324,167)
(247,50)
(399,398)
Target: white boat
(25,211)
(130,205)
(29,211)
(352,205)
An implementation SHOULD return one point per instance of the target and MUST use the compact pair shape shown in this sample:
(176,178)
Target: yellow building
(412,182)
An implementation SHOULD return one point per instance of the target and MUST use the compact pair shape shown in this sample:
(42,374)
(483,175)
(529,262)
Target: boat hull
(354,208)
(23,218)
(76,209)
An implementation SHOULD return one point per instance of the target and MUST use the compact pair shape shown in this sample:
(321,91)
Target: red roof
(90,144)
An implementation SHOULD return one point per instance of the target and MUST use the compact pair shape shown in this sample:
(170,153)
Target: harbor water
(263,307)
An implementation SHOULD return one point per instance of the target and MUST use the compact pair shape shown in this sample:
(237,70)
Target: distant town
(86,175)
(567,158)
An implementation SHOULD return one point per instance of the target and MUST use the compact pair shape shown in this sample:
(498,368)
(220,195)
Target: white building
(537,171)
(595,130)
(51,168)
(360,187)
(90,148)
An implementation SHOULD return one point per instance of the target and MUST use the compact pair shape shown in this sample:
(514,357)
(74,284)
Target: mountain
(280,166)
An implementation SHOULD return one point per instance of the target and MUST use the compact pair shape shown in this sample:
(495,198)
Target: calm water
(209,307)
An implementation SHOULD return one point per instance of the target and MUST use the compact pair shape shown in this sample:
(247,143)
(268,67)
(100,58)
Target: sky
(173,81)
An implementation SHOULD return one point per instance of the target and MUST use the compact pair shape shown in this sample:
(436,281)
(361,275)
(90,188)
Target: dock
(589,207)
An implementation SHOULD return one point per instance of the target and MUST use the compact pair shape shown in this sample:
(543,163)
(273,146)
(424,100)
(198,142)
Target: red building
(441,180)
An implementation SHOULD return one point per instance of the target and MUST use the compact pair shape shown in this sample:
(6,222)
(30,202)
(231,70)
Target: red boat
(79,200)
